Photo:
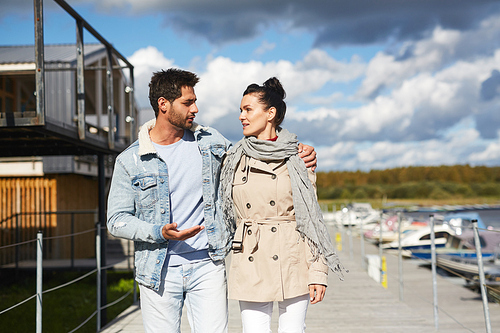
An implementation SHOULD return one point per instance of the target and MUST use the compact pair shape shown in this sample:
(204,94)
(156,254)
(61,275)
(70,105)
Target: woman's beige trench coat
(269,261)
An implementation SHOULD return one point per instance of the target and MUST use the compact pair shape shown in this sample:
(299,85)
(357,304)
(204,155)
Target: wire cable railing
(471,280)
(75,280)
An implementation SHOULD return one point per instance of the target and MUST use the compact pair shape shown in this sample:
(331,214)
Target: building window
(7,96)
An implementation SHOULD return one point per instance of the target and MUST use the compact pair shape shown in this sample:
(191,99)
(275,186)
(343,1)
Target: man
(165,196)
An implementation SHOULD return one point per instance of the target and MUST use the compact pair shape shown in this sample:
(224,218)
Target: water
(490,217)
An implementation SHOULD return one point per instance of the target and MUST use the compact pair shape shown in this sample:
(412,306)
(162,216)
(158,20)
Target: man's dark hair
(168,84)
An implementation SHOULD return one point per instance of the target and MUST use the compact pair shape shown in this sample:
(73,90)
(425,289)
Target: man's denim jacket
(138,203)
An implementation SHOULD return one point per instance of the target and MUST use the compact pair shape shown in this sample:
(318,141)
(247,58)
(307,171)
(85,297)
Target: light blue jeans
(201,285)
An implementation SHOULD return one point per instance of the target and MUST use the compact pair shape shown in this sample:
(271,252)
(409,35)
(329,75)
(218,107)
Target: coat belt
(254,224)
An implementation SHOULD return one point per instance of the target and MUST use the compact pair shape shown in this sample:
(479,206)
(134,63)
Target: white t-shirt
(184,165)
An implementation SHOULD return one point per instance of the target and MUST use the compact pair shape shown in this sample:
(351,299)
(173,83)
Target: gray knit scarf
(308,214)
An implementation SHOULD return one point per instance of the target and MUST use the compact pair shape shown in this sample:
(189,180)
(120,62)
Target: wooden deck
(359,304)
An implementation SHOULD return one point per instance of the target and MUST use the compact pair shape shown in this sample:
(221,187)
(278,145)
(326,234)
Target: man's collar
(145,143)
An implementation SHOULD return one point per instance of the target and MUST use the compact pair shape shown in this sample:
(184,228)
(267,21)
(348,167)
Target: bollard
(383,271)
(338,241)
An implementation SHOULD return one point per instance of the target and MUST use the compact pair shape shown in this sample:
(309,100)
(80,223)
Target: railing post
(128,255)
(39,280)
(434,275)
(98,264)
(135,288)
(80,80)
(400,260)
(17,241)
(110,98)
(362,235)
(39,63)
(349,228)
(103,235)
(134,121)
(482,284)
(72,240)
(380,250)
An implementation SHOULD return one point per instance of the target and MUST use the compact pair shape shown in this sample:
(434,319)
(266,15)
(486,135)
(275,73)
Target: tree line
(435,182)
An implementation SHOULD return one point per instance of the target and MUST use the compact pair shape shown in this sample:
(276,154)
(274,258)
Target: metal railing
(480,280)
(25,227)
(111,53)
(39,241)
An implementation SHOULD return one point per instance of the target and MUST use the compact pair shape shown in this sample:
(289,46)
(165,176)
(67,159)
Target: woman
(281,247)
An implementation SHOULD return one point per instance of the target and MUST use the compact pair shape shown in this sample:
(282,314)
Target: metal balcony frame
(81,24)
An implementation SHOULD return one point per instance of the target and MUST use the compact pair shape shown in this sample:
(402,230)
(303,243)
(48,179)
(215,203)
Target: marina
(360,304)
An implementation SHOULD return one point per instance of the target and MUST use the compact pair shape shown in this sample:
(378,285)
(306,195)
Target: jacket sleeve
(318,270)
(122,221)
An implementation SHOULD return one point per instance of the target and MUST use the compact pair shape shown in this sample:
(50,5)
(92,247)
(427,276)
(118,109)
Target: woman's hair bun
(275,85)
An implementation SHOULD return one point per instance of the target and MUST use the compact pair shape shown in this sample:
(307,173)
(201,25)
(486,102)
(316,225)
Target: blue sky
(370,84)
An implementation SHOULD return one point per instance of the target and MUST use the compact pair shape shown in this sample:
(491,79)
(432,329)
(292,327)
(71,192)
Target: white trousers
(256,316)
(201,285)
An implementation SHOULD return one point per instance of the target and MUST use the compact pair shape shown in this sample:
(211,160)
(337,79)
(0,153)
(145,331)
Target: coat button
(244,179)
(249,232)
(273,176)
(162,211)
(250,258)
(275,257)
(273,229)
(161,180)
(249,206)
(157,261)
(272,203)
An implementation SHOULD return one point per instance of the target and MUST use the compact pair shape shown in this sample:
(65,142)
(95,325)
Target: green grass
(63,309)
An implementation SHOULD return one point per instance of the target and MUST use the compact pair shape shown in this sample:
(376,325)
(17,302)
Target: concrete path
(360,304)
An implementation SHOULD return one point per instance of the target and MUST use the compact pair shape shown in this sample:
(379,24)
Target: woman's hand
(316,293)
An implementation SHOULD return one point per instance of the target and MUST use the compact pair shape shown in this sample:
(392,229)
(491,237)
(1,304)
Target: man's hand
(308,155)
(169,231)
(316,293)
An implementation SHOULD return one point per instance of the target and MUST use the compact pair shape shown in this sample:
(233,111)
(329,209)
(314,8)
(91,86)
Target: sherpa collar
(145,143)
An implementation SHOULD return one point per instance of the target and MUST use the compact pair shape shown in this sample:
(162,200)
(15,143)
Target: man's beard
(179,121)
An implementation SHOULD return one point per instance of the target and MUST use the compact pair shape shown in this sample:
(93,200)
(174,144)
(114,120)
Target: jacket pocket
(218,150)
(147,191)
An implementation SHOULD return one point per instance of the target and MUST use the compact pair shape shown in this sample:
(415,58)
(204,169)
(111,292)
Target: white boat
(421,239)
(357,214)
(390,229)
(465,266)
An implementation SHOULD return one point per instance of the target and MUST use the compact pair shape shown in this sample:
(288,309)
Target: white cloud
(451,150)
(146,61)
(264,47)
(427,95)
(224,80)
(491,153)
(442,48)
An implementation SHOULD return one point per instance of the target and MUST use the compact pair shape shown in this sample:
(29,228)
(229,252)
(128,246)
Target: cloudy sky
(370,84)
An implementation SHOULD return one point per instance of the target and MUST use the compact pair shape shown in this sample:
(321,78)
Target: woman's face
(255,118)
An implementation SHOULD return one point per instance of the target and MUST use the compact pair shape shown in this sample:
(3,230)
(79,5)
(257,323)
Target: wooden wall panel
(23,203)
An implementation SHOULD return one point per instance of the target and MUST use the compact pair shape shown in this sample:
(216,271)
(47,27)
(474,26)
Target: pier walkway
(360,304)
